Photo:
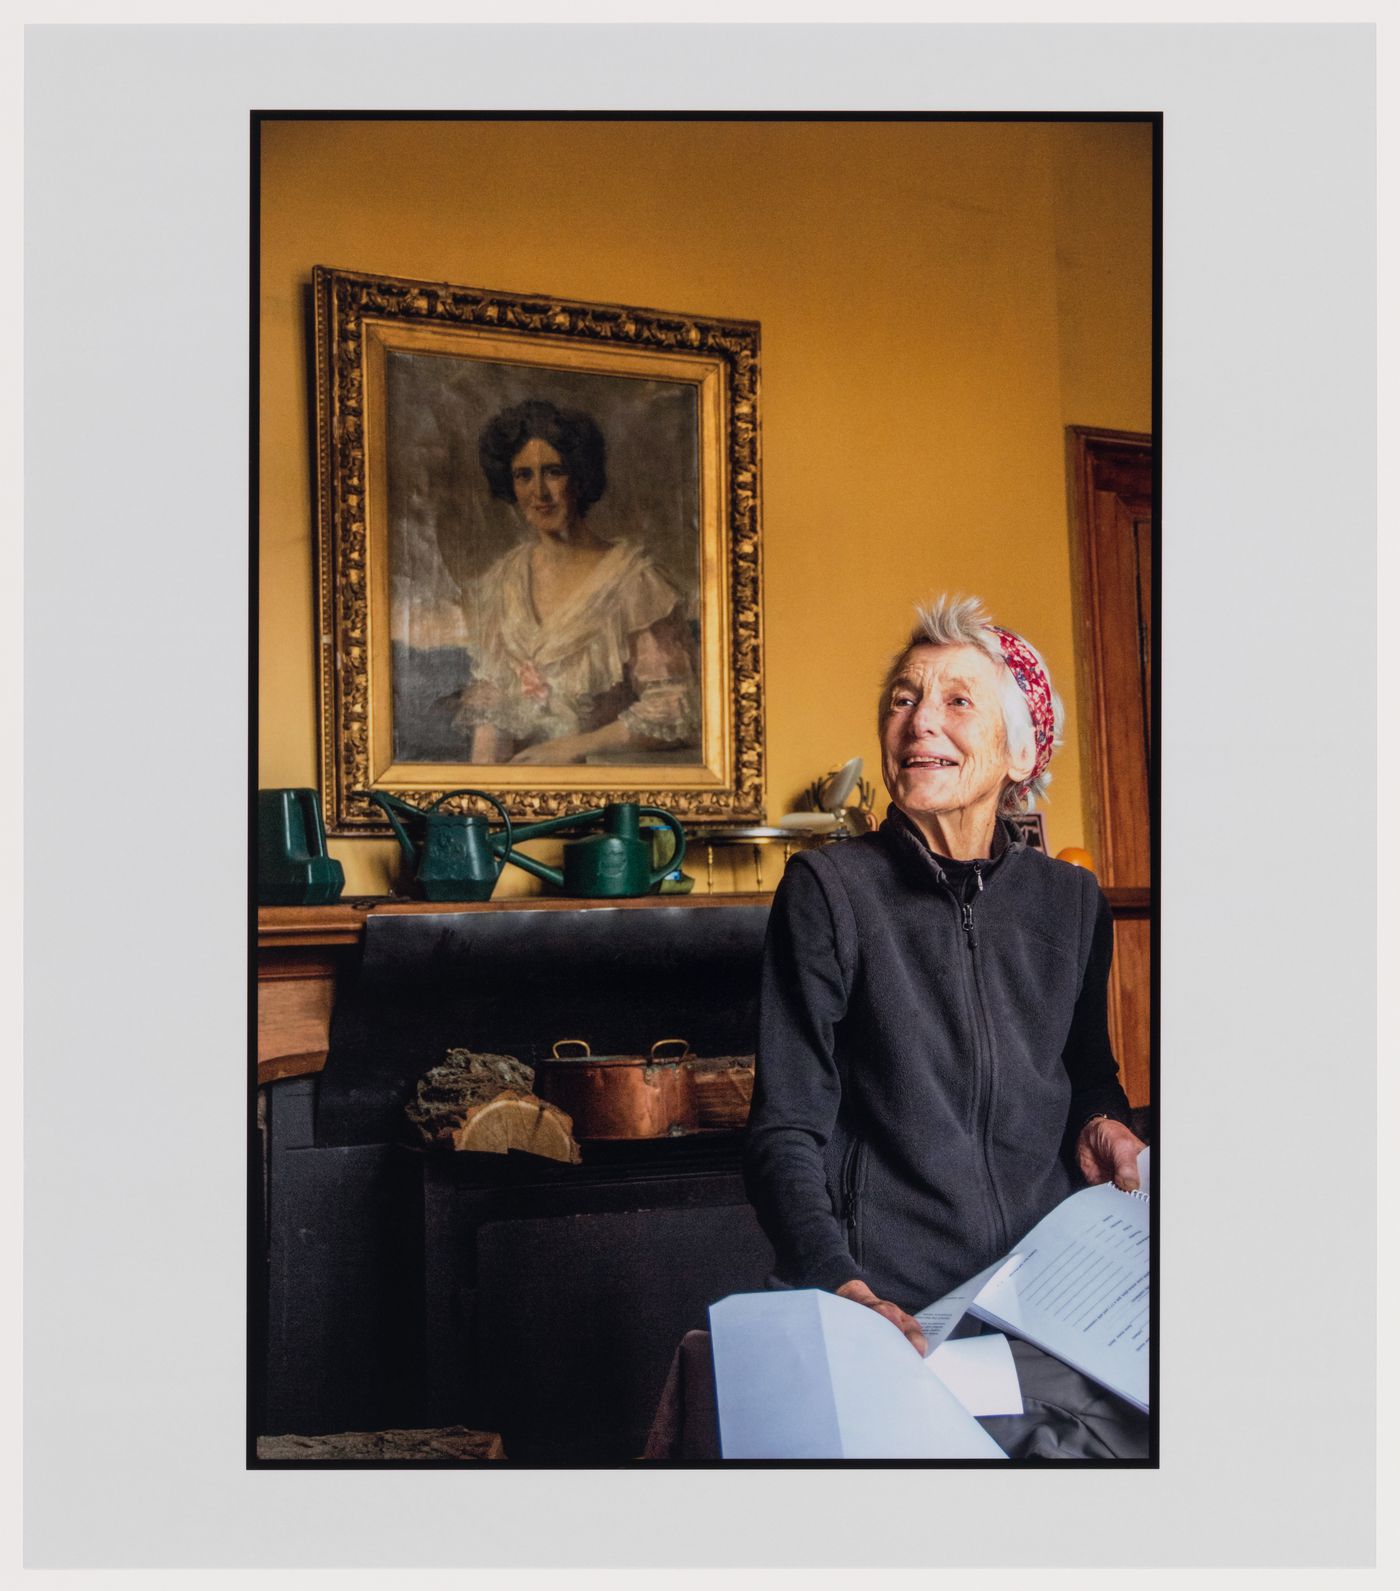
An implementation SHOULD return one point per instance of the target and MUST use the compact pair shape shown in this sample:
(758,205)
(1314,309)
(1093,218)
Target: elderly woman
(934,1064)
(580,644)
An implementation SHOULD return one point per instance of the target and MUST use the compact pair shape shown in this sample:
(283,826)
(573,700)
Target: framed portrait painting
(538,545)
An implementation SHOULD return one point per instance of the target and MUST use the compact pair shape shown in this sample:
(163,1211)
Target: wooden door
(1111,477)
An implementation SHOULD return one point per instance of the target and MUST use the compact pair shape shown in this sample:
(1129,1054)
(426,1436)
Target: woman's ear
(1020,761)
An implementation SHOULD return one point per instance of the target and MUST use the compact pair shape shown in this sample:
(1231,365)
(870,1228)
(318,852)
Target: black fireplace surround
(408,1288)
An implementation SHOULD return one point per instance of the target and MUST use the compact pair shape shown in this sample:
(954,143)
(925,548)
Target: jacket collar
(905,838)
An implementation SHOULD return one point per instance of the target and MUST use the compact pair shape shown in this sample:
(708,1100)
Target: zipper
(985,1103)
(855,1165)
(966,906)
(982,1064)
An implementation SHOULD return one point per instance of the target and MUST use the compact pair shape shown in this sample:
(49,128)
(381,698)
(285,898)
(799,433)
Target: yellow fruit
(1077,856)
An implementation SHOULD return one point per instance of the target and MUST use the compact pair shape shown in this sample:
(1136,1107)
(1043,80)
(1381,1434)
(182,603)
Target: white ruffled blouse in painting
(619,647)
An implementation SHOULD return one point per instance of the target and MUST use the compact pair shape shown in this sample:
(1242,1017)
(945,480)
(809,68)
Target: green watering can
(606,866)
(458,857)
(293,866)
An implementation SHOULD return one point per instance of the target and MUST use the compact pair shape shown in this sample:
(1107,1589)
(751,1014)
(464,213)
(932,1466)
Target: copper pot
(621,1096)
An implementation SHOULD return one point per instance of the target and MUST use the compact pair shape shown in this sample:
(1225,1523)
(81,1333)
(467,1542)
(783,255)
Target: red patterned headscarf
(1026,670)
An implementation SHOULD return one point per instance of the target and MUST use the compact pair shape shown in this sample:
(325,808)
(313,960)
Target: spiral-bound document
(1079,1285)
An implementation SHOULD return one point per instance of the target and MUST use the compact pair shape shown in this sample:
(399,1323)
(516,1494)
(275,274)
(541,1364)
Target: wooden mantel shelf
(310,925)
(1129,901)
(299,926)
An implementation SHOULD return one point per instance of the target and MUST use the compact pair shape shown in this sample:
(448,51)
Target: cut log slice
(518,1121)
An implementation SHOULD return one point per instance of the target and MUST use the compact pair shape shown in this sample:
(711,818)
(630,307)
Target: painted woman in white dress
(580,646)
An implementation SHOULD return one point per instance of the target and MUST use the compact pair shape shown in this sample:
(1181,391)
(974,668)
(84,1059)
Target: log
(446,1092)
(518,1121)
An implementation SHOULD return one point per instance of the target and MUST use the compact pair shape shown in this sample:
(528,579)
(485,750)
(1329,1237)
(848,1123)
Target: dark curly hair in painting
(573,434)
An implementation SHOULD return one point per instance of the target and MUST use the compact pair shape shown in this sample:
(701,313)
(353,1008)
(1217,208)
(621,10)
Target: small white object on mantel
(809,822)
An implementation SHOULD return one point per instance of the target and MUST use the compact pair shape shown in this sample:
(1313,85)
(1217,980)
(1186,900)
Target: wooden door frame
(1091,452)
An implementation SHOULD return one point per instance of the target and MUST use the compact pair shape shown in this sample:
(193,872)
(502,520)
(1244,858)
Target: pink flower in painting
(533,685)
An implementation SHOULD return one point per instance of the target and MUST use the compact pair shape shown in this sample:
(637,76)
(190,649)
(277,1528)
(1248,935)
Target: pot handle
(685,1049)
(582,1042)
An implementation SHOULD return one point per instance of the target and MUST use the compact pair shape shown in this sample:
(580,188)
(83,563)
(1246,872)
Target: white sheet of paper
(1080,1286)
(980,1372)
(939,1317)
(1144,1164)
(805,1374)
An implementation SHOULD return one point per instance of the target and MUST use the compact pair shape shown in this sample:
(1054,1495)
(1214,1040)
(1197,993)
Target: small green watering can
(294,868)
(458,857)
(607,866)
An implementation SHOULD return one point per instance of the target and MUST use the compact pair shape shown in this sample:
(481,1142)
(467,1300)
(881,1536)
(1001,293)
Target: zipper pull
(967,924)
(977,870)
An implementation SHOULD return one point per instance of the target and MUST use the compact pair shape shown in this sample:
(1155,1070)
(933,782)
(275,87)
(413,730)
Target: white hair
(963,621)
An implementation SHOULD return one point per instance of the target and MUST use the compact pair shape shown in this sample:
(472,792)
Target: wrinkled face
(544,493)
(943,740)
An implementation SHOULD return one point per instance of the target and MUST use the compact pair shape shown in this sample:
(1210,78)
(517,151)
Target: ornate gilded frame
(359,320)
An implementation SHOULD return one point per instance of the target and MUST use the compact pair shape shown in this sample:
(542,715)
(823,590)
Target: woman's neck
(560,545)
(965,835)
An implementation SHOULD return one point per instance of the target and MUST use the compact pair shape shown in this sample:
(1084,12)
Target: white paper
(772,1384)
(938,1319)
(1144,1164)
(980,1372)
(1080,1287)
(805,1374)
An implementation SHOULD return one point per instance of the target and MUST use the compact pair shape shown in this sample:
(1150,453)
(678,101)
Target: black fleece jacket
(926,1058)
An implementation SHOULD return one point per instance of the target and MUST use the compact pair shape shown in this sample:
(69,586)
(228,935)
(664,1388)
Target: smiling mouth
(928,762)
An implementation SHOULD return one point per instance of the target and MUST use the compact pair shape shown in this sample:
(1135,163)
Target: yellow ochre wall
(937,302)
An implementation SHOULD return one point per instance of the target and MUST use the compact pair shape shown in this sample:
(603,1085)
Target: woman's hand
(574,748)
(859,1293)
(567,748)
(1108,1150)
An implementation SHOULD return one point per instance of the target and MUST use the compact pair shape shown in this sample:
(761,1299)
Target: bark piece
(446,1092)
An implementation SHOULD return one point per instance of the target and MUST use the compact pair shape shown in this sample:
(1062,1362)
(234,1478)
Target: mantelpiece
(301,949)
